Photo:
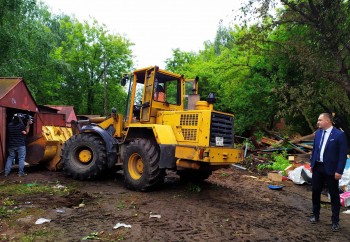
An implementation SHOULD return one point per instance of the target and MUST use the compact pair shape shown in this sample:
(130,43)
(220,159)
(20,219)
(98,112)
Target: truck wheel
(84,156)
(195,176)
(141,170)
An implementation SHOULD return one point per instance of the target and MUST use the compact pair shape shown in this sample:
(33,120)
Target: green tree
(310,53)
(81,54)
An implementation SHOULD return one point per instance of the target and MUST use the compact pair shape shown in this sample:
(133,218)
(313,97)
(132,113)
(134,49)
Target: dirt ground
(232,205)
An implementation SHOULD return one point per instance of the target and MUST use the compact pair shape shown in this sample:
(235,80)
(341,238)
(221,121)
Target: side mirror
(124,79)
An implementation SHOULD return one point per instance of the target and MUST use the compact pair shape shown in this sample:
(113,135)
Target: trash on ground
(275,187)
(275,176)
(32,184)
(81,205)
(300,175)
(60,211)
(345,199)
(58,186)
(239,167)
(118,225)
(92,236)
(254,177)
(347,212)
(42,220)
(155,216)
(344,182)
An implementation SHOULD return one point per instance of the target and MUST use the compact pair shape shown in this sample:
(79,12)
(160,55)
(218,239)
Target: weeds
(35,236)
(6,210)
(223,174)
(121,205)
(31,188)
(92,236)
(280,162)
(193,188)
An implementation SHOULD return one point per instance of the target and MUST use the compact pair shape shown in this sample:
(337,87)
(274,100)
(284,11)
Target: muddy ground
(232,205)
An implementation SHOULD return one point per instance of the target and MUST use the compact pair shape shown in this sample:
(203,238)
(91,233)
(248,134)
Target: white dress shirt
(326,135)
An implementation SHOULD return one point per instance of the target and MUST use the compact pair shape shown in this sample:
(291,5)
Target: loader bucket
(45,148)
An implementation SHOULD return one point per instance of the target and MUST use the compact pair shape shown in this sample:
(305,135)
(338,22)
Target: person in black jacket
(16,133)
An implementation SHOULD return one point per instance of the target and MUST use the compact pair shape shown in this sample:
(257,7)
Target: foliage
(191,187)
(280,162)
(84,51)
(235,73)
(62,59)
(310,52)
(293,62)
(270,65)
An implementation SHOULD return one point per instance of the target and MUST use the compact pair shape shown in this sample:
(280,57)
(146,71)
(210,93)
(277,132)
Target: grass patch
(6,212)
(32,188)
(38,235)
(121,205)
(223,174)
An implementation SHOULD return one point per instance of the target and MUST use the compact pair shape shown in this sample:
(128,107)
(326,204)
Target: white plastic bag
(300,175)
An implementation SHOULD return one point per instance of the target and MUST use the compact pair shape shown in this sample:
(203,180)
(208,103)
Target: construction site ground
(232,205)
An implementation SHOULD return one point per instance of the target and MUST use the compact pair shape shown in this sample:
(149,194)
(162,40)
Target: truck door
(147,95)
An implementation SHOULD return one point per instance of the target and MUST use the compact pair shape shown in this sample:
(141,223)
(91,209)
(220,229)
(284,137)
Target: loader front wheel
(84,156)
(141,165)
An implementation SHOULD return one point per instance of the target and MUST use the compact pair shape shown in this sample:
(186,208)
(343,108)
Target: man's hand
(337,176)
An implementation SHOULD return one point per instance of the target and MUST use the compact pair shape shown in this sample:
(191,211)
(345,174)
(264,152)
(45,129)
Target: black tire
(141,165)
(195,176)
(84,156)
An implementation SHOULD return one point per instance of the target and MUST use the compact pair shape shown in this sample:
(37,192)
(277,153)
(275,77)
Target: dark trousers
(319,178)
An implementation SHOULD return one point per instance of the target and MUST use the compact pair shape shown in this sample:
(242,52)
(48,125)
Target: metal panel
(15,94)
(2,138)
(48,119)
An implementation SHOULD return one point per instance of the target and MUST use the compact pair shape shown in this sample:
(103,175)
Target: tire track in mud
(280,215)
(233,207)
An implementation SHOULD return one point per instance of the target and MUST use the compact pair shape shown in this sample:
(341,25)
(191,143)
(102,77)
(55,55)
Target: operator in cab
(159,94)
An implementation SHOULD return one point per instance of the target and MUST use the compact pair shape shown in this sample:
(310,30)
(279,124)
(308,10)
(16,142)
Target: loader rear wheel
(141,170)
(84,156)
(195,176)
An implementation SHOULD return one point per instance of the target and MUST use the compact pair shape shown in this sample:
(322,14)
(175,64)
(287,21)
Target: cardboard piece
(275,176)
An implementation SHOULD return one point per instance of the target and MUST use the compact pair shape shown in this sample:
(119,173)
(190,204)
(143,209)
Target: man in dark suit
(328,161)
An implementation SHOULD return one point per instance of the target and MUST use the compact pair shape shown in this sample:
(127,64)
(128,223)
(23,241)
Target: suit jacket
(335,152)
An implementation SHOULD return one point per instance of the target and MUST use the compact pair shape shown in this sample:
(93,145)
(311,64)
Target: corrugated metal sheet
(68,111)
(15,94)
(6,84)
(2,138)
(45,119)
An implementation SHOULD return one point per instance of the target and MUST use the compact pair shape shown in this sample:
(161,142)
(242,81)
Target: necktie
(320,146)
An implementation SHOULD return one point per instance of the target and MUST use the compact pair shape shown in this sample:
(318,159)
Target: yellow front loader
(165,126)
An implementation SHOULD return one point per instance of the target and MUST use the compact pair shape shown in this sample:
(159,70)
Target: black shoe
(335,227)
(314,219)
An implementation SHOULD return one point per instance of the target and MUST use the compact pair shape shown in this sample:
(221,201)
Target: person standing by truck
(16,134)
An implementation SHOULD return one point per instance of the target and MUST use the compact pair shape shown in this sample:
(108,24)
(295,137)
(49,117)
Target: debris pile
(261,153)
(284,159)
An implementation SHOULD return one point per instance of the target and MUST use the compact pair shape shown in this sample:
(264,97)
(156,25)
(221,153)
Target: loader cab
(151,90)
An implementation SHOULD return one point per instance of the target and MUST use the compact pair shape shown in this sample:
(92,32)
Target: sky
(155,26)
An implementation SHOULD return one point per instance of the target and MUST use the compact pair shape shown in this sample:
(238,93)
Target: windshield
(167,89)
